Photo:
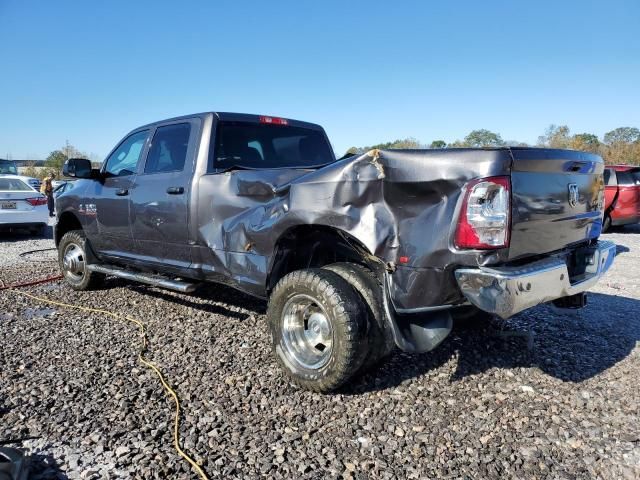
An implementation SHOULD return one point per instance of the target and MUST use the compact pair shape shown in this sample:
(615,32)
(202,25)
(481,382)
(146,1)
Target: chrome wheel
(73,262)
(306,332)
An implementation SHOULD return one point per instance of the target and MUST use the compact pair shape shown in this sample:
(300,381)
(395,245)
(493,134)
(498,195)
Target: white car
(21,206)
(8,167)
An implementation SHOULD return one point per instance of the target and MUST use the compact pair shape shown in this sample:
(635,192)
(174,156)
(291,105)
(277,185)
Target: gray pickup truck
(355,255)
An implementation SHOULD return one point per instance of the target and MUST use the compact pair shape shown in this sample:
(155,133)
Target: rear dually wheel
(318,329)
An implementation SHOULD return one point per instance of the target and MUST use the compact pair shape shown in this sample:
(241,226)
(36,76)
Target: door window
(610,177)
(168,150)
(625,178)
(125,158)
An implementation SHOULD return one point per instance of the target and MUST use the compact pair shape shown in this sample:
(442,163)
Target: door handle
(175,190)
(122,192)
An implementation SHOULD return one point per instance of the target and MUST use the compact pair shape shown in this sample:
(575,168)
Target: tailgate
(557,200)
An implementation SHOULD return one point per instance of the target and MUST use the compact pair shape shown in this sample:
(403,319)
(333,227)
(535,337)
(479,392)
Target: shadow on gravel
(45,467)
(621,249)
(626,229)
(572,348)
(215,295)
(22,234)
(41,467)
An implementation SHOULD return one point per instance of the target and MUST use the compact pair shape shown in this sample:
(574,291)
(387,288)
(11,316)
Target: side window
(168,150)
(625,178)
(125,158)
(610,177)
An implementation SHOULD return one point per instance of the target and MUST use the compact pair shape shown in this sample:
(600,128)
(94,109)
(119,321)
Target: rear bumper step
(506,291)
(149,279)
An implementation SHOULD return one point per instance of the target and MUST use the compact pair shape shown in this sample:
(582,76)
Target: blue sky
(367,71)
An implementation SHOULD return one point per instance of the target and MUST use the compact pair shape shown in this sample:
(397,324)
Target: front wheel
(72,258)
(318,326)
(606,223)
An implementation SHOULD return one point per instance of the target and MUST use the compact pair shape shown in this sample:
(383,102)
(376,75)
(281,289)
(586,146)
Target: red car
(622,195)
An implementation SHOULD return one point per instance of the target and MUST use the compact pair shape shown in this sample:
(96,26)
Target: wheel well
(67,222)
(313,246)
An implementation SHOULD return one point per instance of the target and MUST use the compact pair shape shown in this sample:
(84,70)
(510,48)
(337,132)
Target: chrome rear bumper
(506,291)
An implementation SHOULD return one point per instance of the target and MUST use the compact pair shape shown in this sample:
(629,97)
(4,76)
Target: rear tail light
(37,201)
(485,216)
(274,120)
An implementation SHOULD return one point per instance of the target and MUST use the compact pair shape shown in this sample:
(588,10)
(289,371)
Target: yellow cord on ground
(143,334)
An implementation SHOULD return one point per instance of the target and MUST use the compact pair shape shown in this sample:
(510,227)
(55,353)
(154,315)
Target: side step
(149,279)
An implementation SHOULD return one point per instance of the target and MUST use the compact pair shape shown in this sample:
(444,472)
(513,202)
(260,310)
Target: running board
(155,280)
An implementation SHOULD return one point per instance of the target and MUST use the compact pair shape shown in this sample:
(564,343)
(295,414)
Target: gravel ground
(543,395)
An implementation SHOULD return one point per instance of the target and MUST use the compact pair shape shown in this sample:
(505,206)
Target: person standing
(47,189)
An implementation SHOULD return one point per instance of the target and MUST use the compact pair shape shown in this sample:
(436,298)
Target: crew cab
(355,255)
(622,195)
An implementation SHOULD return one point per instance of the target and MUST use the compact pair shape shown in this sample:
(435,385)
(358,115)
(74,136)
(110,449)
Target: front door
(160,196)
(111,197)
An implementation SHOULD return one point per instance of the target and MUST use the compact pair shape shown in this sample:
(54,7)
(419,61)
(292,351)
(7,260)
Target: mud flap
(417,333)
(14,465)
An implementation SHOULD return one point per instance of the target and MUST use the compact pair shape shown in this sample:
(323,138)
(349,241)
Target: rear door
(109,199)
(160,196)
(558,199)
(627,207)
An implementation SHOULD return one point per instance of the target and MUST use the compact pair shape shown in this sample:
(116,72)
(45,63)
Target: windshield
(256,145)
(8,167)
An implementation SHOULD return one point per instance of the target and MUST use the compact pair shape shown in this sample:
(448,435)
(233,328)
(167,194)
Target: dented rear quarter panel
(395,203)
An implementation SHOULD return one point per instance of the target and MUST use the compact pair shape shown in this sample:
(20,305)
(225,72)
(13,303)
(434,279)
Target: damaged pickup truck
(355,255)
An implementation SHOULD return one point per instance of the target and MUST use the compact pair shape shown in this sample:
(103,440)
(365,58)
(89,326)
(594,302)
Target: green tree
(555,137)
(408,142)
(483,138)
(622,146)
(352,151)
(438,144)
(586,142)
(55,161)
(405,143)
(622,135)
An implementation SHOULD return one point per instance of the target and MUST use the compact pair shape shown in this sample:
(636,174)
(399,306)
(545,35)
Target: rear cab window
(257,145)
(14,185)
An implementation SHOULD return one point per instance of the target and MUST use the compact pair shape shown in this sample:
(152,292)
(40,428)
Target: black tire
(470,316)
(606,223)
(340,307)
(380,342)
(76,277)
